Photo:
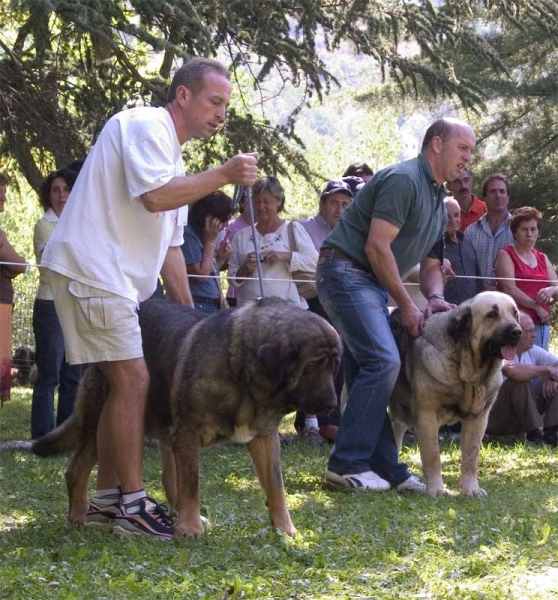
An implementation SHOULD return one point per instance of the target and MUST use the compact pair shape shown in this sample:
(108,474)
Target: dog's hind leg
(399,430)
(77,480)
(265,451)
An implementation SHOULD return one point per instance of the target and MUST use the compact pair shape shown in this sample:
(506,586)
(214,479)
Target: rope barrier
(550,281)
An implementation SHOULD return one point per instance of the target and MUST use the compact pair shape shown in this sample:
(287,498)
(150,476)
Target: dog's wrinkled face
(495,325)
(302,364)
(311,384)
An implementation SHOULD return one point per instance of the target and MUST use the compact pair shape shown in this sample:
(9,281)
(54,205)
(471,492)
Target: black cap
(354,182)
(336,185)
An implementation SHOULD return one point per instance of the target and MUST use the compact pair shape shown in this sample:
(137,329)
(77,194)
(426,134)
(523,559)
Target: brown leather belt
(335,253)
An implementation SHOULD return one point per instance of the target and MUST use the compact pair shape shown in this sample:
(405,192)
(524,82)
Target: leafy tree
(67,65)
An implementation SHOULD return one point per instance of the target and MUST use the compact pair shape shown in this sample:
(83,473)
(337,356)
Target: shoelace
(160,512)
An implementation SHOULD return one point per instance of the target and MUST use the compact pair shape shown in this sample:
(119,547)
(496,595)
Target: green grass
(383,546)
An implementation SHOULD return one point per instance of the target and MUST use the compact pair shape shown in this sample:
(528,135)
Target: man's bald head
(525,321)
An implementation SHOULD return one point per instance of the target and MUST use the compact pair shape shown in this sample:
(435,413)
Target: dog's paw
(436,491)
(189,530)
(290,531)
(474,492)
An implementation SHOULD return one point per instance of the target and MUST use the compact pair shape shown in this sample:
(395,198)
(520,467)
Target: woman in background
(7,273)
(50,357)
(272,238)
(279,260)
(206,219)
(530,276)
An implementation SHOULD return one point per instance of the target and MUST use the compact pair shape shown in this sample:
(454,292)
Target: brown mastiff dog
(450,373)
(228,377)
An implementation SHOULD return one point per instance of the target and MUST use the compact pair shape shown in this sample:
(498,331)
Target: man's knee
(127,376)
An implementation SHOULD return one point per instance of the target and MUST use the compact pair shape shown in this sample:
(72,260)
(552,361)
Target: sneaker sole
(339,487)
(120,531)
(99,526)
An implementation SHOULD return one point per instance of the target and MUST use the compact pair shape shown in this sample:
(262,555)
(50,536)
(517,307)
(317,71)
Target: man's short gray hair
(192,74)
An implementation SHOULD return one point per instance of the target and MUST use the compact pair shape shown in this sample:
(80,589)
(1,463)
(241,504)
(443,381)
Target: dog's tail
(61,440)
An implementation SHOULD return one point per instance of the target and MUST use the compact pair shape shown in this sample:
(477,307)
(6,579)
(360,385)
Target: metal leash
(238,193)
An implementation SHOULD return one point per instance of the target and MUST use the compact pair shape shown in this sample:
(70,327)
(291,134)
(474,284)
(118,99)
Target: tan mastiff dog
(450,373)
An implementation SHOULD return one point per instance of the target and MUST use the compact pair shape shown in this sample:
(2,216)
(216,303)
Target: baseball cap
(354,182)
(334,186)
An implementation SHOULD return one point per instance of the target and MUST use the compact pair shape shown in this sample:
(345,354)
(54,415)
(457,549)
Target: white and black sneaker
(152,519)
(101,517)
(357,482)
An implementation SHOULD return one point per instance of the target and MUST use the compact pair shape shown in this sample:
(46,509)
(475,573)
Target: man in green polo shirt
(396,220)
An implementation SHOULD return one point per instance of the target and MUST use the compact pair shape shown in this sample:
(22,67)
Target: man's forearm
(184,189)
(523,373)
(431,278)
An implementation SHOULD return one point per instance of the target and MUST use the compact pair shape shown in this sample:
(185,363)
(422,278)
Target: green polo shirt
(406,195)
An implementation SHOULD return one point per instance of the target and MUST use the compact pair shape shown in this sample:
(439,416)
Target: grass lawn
(383,545)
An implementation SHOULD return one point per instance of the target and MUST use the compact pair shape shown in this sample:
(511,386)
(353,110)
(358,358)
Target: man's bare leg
(120,429)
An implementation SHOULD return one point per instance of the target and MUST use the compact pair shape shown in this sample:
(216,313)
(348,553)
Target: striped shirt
(463,259)
(487,244)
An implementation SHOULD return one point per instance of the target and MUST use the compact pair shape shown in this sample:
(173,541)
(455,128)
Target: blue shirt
(192,248)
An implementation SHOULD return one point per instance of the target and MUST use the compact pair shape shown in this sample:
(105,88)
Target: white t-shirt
(106,238)
(277,276)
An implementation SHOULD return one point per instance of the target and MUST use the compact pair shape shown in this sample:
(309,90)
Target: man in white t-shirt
(528,399)
(122,227)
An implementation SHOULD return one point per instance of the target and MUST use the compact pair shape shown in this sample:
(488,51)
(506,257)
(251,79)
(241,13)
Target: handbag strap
(292,239)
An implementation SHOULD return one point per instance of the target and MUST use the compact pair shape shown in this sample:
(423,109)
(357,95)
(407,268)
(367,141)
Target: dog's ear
(461,324)
(278,362)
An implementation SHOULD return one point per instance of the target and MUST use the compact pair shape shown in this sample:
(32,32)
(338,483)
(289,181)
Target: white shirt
(106,238)
(304,260)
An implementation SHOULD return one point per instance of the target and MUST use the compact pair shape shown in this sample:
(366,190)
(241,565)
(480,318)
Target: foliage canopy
(67,65)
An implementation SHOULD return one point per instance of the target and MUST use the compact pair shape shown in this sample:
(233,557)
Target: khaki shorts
(98,326)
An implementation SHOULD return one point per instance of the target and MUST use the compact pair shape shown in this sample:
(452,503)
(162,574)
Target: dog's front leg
(168,467)
(472,431)
(187,448)
(427,433)
(265,451)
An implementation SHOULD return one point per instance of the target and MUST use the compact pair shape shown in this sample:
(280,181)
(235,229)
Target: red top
(524,271)
(478,209)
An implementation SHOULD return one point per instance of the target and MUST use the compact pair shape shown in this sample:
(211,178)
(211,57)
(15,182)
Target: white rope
(550,281)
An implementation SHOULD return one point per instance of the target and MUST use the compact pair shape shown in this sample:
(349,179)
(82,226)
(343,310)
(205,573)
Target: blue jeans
(357,306)
(52,371)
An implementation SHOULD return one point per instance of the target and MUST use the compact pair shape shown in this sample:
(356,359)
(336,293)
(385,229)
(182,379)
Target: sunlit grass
(367,546)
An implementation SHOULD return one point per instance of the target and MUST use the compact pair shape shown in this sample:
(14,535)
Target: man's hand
(412,319)
(242,169)
(447,271)
(437,305)
(549,388)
